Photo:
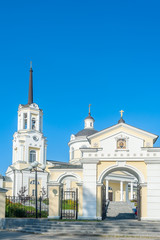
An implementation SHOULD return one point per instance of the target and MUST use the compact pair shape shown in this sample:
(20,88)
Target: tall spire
(89,110)
(30,93)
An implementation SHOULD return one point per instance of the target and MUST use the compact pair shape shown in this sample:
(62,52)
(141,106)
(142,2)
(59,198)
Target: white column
(89,190)
(20,153)
(38,123)
(131,190)
(127,198)
(41,123)
(121,191)
(106,189)
(22,121)
(18,127)
(29,120)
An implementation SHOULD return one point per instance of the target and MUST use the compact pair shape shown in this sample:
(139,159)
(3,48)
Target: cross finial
(89,109)
(121,113)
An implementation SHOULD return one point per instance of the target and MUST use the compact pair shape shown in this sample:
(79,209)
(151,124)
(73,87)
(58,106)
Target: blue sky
(106,53)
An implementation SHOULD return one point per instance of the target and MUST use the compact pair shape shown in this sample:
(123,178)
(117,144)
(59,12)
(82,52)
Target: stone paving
(8,235)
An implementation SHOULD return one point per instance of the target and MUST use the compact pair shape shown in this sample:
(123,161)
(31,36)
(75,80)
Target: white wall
(153,191)
(89,191)
(109,144)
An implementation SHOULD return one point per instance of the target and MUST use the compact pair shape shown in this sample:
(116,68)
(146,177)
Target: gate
(139,202)
(69,204)
(103,202)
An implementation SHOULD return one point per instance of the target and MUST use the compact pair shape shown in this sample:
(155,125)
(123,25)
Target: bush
(19,210)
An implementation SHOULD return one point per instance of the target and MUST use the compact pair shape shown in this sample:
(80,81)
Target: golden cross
(89,108)
(121,113)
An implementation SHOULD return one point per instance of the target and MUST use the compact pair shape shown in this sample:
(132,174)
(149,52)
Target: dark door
(110,196)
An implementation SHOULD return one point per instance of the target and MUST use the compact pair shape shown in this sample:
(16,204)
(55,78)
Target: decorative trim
(121,163)
(67,174)
(64,169)
(90,160)
(152,161)
(99,184)
(125,126)
(126,168)
(53,184)
(91,149)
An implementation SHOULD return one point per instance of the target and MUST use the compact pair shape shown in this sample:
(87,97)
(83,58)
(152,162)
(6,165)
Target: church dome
(89,117)
(86,132)
(88,126)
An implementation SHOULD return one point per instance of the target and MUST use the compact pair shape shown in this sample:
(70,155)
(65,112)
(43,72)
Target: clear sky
(106,53)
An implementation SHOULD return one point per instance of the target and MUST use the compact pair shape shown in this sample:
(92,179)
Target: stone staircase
(120,228)
(120,210)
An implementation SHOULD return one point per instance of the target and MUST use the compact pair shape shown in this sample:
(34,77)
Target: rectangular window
(25,121)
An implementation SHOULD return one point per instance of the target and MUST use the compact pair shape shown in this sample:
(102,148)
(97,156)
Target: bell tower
(29,143)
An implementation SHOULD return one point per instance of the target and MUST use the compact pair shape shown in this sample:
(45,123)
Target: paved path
(7,235)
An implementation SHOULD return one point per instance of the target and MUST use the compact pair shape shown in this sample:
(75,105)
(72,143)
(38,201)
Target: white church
(121,158)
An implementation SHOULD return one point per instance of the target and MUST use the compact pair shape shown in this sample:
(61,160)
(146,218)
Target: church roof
(86,132)
(63,165)
(7,179)
(154,136)
(89,117)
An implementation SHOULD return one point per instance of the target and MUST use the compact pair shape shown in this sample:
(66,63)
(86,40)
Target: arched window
(32,156)
(33,123)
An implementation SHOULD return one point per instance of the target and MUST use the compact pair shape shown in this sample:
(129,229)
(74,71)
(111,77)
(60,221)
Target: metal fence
(26,207)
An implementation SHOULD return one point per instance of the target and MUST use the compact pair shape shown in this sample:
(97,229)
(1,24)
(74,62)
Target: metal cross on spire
(121,113)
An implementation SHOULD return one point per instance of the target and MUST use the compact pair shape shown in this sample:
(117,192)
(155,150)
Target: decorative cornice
(89,160)
(152,161)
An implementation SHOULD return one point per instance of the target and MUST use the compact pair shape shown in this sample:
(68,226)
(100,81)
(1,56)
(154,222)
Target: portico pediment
(124,130)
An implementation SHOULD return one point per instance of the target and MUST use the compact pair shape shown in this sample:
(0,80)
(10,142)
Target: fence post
(76,203)
(40,202)
(2,202)
(54,201)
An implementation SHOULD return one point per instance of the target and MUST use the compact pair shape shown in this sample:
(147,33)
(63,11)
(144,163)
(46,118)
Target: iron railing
(26,207)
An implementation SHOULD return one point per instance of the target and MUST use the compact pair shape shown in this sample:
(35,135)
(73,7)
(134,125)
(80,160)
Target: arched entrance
(132,171)
(64,194)
(69,197)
